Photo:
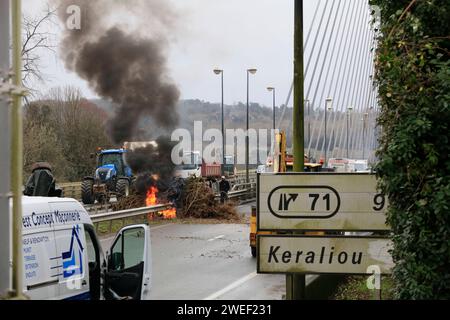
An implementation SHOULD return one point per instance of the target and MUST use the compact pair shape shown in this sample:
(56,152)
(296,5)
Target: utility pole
(349,109)
(296,283)
(220,71)
(308,103)
(365,116)
(247,150)
(5,146)
(17,150)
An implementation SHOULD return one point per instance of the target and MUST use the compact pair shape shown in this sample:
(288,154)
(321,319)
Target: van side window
(128,250)
(133,247)
(116,258)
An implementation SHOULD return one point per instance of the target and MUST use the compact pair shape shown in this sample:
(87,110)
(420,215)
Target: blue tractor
(112,177)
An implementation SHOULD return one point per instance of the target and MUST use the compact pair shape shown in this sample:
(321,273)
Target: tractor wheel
(87,192)
(122,188)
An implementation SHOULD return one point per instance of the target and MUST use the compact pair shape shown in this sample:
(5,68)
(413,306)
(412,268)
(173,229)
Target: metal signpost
(5,145)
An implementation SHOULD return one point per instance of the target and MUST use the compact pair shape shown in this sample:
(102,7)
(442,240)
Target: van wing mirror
(129,264)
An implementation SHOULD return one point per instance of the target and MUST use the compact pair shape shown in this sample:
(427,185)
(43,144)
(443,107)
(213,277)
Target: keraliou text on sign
(307,254)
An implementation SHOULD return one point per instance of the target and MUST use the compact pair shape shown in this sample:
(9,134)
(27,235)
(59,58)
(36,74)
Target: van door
(129,264)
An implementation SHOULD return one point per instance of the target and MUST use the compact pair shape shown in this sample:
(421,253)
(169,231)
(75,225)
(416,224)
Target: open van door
(128,270)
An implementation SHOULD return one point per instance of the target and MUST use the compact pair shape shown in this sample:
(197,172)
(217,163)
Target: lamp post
(328,106)
(247,179)
(307,102)
(364,119)
(5,145)
(370,124)
(220,71)
(349,110)
(272,89)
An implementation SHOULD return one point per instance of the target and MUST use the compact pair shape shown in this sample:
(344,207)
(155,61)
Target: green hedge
(413,75)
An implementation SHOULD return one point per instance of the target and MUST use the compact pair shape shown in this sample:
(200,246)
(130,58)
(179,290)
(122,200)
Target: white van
(63,258)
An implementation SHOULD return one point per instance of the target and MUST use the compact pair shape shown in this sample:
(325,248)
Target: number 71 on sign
(322,201)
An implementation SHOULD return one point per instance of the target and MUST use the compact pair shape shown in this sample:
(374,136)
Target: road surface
(207,261)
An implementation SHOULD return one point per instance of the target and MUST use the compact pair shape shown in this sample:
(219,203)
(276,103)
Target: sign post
(5,145)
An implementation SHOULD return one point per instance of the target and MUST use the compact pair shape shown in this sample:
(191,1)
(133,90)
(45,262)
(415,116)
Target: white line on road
(230,287)
(215,238)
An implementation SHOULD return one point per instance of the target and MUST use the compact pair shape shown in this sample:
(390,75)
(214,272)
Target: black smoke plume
(153,165)
(124,66)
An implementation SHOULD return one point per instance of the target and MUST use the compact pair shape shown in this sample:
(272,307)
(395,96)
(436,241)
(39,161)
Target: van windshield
(190,162)
(187,167)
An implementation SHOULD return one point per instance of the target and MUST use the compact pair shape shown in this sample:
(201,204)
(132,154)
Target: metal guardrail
(241,191)
(71,189)
(123,214)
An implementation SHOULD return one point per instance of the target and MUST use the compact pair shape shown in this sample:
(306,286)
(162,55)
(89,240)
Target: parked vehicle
(63,258)
(111,177)
(361,166)
(340,164)
(195,166)
(229,168)
(284,162)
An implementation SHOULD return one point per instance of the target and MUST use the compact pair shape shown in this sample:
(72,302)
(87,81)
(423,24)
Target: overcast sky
(232,34)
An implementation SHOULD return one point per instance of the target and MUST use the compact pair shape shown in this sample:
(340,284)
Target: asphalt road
(207,261)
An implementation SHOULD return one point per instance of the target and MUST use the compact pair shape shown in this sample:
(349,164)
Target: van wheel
(87,192)
(122,188)
(253,252)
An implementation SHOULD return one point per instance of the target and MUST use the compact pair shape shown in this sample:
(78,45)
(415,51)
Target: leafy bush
(413,75)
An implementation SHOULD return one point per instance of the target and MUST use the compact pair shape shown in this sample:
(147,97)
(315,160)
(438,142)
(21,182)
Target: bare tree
(35,38)
(74,126)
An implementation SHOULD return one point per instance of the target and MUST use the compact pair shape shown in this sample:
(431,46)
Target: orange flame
(151,200)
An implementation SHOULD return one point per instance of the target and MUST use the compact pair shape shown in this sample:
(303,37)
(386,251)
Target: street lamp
(307,102)
(349,110)
(220,71)
(272,89)
(329,107)
(364,119)
(370,124)
(249,71)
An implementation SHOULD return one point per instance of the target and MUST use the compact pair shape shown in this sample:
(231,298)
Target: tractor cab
(111,163)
